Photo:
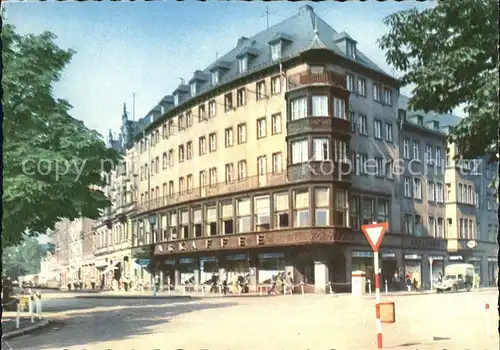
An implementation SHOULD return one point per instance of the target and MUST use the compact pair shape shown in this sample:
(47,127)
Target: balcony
(316,78)
(254,182)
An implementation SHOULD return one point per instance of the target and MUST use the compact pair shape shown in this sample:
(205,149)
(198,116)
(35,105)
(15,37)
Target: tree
(450,53)
(23,259)
(53,164)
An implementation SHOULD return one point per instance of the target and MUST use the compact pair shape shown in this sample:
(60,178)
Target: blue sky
(127,47)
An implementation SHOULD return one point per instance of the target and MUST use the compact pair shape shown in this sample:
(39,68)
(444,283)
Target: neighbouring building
(113,232)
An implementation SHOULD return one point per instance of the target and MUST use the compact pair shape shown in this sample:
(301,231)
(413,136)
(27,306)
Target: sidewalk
(9,329)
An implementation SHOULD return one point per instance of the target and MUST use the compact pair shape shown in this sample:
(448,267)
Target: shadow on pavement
(80,329)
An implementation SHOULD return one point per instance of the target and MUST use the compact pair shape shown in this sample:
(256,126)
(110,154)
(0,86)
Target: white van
(456,277)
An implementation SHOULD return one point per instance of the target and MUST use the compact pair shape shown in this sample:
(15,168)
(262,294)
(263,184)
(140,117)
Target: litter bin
(387,312)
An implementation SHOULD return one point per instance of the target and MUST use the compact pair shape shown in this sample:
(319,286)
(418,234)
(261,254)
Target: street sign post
(374,234)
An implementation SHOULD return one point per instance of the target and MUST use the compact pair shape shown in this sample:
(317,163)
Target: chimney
(241,41)
(306,8)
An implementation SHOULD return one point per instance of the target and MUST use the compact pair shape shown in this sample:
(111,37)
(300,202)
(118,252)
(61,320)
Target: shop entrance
(389,269)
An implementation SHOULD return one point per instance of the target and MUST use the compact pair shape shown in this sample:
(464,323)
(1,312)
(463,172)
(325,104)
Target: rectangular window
(281,210)
(417,188)
(362,87)
(321,149)
(261,90)
(277,163)
(376,93)
(300,151)
(428,154)
(262,213)
(228,102)
(228,137)
(182,185)
(201,114)
(172,225)
(406,148)
(189,150)
(226,215)
(431,191)
(407,187)
(382,210)
(276,85)
(408,224)
(244,215)
(181,153)
(203,178)
(261,128)
(276,124)
(388,132)
(350,84)
(362,125)
(419,231)
(341,212)
(322,205)
(242,170)
(189,183)
(242,64)
(431,226)
(339,108)
(298,108)
(355,213)
(181,122)
(212,142)
(171,188)
(340,151)
(229,173)
(242,133)
(197,223)
(211,109)
(211,220)
(189,119)
(388,97)
(354,122)
(164,160)
(301,209)
(320,106)
(377,129)
(202,145)
(368,211)
(276,51)
(215,77)
(439,228)
(212,176)
(416,150)
(240,97)
(439,192)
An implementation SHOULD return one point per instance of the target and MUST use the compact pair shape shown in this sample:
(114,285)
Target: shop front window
(301,209)
(270,265)
(281,210)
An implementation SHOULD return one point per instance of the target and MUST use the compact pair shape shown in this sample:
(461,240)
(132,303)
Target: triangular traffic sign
(374,233)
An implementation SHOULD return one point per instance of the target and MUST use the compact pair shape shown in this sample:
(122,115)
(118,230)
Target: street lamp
(152,222)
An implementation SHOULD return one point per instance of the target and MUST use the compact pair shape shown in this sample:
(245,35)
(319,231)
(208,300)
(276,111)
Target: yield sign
(375,233)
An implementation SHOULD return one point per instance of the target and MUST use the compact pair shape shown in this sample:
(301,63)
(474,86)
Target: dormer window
(351,49)
(193,89)
(242,64)
(276,51)
(436,125)
(215,77)
(420,120)
(176,99)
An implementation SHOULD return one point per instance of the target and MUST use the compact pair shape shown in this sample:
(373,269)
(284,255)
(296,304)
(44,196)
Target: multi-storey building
(445,199)
(247,170)
(112,244)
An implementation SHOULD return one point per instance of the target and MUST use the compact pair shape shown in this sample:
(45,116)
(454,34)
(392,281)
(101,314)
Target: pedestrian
(289,283)
(213,284)
(440,277)
(408,281)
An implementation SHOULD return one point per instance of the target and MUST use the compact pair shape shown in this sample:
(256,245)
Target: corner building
(246,169)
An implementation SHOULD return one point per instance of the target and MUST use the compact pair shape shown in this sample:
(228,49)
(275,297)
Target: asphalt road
(445,321)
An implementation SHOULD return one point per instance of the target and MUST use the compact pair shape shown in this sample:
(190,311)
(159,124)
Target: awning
(101,263)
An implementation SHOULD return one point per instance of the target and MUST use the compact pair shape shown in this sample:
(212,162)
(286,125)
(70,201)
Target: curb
(25,330)
(133,297)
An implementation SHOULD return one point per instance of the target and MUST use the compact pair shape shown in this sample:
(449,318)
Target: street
(452,321)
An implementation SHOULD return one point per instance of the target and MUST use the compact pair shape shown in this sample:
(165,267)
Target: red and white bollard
(487,308)
(377,300)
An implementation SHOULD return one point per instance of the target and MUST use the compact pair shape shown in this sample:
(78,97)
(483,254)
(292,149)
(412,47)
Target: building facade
(272,158)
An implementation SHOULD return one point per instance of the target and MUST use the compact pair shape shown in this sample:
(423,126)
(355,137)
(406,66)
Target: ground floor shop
(110,270)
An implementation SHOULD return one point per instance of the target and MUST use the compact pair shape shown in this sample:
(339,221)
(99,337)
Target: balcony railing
(253,182)
(314,78)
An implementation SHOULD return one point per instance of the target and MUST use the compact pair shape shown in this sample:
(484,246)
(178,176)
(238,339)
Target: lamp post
(152,222)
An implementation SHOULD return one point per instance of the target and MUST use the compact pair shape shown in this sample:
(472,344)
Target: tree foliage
(41,139)
(23,259)
(450,54)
